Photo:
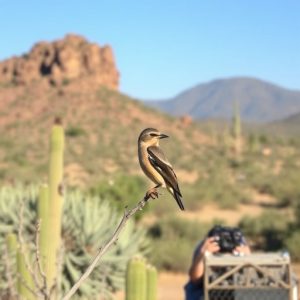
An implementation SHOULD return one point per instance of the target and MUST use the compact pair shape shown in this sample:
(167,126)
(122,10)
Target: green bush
(175,239)
(122,191)
(74,131)
(286,187)
(293,245)
(88,222)
(267,231)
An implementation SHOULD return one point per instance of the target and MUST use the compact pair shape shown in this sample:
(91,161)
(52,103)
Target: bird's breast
(148,169)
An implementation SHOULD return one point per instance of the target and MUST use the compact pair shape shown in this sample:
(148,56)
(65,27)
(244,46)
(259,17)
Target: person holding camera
(218,240)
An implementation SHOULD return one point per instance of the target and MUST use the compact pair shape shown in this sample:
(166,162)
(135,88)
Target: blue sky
(163,47)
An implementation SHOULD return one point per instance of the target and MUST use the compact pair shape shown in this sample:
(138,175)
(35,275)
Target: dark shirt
(194,291)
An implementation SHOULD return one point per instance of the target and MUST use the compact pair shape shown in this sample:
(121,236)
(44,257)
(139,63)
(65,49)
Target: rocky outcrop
(62,61)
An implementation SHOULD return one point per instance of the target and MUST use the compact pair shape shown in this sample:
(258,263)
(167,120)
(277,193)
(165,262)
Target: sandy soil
(170,286)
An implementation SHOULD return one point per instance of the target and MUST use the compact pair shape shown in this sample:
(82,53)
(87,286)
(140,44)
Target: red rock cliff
(61,61)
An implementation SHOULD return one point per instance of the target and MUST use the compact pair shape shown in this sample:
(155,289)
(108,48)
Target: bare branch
(102,250)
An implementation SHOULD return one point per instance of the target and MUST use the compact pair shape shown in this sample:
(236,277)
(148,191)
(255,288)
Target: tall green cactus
(55,201)
(141,280)
(25,280)
(43,216)
(151,283)
(11,244)
(136,279)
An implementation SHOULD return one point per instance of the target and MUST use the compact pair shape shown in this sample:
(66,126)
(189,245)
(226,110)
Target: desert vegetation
(229,173)
(263,166)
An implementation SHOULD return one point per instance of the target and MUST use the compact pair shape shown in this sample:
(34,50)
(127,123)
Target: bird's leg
(153,193)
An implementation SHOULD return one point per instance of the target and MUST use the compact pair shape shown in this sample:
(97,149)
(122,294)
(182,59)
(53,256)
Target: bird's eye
(153,134)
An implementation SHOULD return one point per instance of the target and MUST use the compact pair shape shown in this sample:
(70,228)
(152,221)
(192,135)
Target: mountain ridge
(259,100)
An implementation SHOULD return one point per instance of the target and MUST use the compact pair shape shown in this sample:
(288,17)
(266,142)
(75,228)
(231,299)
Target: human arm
(197,268)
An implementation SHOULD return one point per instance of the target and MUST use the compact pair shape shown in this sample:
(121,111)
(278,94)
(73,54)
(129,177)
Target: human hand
(242,249)
(210,245)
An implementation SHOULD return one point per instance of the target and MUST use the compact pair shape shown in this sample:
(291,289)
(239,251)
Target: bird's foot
(153,193)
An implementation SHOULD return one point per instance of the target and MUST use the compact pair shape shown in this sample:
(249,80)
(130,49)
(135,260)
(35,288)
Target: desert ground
(170,284)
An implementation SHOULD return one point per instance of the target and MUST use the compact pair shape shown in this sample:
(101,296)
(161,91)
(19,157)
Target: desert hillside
(101,124)
(259,101)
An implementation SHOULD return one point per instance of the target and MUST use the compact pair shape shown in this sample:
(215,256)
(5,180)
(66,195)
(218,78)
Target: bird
(156,166)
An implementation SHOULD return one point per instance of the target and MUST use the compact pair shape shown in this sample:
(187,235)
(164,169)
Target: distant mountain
(289,126)
(259,101)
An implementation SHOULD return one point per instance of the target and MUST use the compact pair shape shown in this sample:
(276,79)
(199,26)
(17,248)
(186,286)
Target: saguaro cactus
(43,216)
(11,244)
(55,204)
(25,282)
(141,280)
(136,279)
(151,283)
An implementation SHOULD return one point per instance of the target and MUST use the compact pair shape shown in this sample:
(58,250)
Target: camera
(227,238)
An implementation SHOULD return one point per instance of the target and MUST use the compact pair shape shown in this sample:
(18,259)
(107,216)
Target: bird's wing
(163,167)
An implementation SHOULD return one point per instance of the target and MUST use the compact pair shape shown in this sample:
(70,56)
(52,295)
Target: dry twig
(102,250)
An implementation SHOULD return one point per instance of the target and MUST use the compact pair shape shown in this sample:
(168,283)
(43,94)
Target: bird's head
(151,136)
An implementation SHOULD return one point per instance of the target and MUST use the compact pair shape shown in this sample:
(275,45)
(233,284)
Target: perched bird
(155,165)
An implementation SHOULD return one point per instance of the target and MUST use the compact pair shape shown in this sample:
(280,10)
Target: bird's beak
(163,136)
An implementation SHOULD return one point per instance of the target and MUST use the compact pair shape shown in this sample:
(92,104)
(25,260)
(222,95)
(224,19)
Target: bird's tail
(177,196)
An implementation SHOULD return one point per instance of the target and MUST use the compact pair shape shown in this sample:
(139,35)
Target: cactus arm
(151,283)
(136,280)
(55,201)
(25,285)
(43,209)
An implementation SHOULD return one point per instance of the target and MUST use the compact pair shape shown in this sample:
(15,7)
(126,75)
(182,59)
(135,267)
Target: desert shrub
(292,243)
(74,131)
(88,222)
(193,196)
(286,187)
(173,241)
(165,205)
(122,191)
(220,191)
(266,232)
(174,255)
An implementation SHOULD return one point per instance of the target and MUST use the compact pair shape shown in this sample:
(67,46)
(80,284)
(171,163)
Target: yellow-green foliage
(141,280)
(43,217)
(55,204)
(151,282)
(86,224)
(25,280)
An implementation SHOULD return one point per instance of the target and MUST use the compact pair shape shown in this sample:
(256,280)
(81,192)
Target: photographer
(219,240)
